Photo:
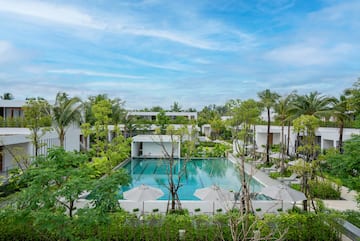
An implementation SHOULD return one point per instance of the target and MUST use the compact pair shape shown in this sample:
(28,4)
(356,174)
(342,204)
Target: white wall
(328,135)
(19,137)
(156,150)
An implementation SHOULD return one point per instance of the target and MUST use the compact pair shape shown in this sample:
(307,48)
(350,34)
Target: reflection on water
(198,173)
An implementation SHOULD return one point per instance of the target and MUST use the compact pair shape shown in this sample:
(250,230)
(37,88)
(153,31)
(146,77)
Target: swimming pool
(200,173)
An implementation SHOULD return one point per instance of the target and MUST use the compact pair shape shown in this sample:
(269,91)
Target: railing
(348,229)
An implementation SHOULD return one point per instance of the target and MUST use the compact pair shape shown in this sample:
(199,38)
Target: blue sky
(155,52)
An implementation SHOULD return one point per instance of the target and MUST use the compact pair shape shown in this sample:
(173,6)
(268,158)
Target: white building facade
(155,146)
(327,137)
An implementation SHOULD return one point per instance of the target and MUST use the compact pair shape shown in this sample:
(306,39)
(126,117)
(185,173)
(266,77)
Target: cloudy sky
(198,52)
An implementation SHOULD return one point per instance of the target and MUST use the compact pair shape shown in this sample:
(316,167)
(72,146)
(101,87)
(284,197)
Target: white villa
(17,139)
(153,115)
(155,146)
(327,137)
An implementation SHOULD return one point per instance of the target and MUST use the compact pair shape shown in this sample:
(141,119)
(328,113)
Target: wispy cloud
(134,24)
(57,13)
(274,6)
(175,67)
(8,53)
(93,73)
(307,55)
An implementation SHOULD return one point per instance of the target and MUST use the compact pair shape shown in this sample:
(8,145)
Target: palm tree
(117,113)
(314,104)
(284,110)
(341,112)
(268,100)
(65,112)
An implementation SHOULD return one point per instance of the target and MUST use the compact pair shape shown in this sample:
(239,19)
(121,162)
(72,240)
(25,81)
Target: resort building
(17,141)
(11,109)
(155,146)
(326,137)
(152,116)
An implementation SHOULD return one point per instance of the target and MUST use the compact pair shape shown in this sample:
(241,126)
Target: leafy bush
(90,224)
(274,175)
(324,190)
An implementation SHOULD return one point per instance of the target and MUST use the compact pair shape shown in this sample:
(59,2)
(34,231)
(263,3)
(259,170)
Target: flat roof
(14,131)
(167,113)
(12,103)
(156,138)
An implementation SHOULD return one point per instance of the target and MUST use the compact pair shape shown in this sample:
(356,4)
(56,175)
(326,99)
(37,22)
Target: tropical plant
(284,113)
(245,115)
(341,112)
(268,100)
(65,112)
(346,166)
(38,120)
(314,104)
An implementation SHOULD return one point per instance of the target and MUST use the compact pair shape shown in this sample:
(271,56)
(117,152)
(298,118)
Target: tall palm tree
(268,100)
(314,104)
(65,112)
(284,113)
(341,112)
(118,113)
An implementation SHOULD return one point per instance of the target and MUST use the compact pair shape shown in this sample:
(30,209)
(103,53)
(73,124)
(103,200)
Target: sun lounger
(288,180)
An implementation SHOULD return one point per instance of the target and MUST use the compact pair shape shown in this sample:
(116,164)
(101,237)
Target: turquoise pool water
(199,173)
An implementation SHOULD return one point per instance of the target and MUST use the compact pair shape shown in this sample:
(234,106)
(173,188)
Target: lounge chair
(288,180)
(268,170)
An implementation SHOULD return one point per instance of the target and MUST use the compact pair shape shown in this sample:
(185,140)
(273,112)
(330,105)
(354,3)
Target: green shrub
(275,175)
(324,190)
(305,226)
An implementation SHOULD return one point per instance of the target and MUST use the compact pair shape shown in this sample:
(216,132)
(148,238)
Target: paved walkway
(349,197)
(348,202)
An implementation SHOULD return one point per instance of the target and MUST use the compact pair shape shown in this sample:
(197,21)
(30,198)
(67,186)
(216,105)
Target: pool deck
(258,175)
(210,207)
(348,201)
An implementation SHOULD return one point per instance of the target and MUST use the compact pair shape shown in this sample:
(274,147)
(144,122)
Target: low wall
(206,207)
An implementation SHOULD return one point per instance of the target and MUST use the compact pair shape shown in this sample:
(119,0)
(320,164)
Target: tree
(38,120)
(92,100)
(117,113)
(217,126)
(102,115)
(346,166)
(245,115)
(7,96)
(105,193)
(86,132)
(130,126)
(156,109)
(307,125)
(353,96)
(268,100)
(65,112)
(341,112)
(314,104)
(207,114)
(283,109)
(55,181)
(162,120)
(176,172)
(175,107)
